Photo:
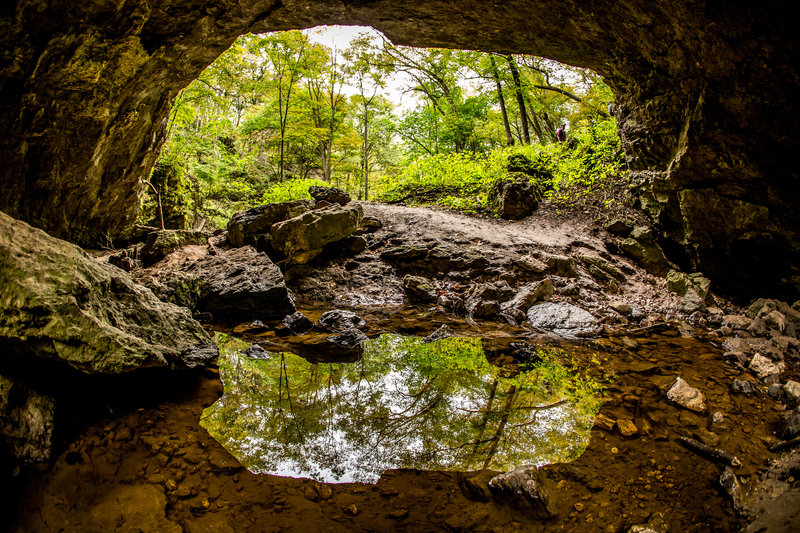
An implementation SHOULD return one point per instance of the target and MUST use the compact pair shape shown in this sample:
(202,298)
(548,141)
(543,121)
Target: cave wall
(705,98)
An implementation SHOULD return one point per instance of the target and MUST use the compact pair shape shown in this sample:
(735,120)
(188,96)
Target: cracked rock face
(58,303)
(705,102)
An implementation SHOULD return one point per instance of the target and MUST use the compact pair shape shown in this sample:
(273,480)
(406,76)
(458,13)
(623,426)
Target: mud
(153,468)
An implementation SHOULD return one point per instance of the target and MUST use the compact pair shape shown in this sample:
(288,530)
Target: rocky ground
(698,426)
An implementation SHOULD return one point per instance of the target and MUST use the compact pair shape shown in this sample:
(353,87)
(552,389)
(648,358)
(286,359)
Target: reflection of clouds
(405,405)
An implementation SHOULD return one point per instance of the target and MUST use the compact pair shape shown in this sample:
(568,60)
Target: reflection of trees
(439,405)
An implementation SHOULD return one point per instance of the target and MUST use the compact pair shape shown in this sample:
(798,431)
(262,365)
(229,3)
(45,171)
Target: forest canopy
(279,112)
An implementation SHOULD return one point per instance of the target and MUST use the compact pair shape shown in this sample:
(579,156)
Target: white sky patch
(340,37)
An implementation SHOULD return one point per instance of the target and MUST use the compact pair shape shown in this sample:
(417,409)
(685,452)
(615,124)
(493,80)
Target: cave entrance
(342,106)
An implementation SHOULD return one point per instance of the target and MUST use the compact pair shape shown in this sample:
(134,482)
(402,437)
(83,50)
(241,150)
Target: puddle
(405,404)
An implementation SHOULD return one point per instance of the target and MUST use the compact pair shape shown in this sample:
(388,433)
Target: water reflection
(406,404)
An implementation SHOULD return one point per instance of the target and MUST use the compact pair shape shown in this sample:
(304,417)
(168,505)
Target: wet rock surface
(252,227)
(60,304)
(562,318)
(647,454)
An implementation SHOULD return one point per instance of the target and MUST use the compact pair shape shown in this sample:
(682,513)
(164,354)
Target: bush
(296,189)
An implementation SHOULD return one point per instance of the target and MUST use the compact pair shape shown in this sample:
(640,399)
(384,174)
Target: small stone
(764,367)
(709,438)
(325,491)
(614,450)
(792,391)
(627,427)
(352,509)
(621,307)
(311,494)
(686,396)
(742,386)
(184,491)
(604,422)
(775,391)
(171,484)
(578,506)
(398,514)
(718,418)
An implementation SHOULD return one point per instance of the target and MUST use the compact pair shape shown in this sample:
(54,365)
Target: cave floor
(146,464)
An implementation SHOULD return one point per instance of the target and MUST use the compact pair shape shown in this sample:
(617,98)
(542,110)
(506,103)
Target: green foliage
(464,180)
(291,190)
(279,107)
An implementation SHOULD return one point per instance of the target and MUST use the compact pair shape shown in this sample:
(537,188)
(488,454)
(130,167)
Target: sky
(339,37)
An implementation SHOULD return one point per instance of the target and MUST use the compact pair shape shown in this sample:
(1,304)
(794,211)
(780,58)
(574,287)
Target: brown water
(148,465)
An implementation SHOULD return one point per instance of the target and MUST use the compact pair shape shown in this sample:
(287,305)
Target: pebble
(686,396)
(627,427)
(578,506)
(614,450)
(604,422)
(352,509)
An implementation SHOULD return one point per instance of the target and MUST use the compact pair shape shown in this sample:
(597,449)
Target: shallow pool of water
(405,404)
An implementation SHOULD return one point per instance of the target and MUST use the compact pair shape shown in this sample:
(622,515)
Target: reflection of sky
(405,405)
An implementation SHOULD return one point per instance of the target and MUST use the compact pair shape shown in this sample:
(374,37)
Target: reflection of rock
(68,306)
(349,343)
(443,332)
(524,489)
(484,299)
(339,320)
(252,226)
(562,318)
(26,421)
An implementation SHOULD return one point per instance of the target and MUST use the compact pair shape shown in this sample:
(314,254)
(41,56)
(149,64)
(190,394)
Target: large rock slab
(243,281)
(562,318)
(252,227)
(299,237)
(57,302)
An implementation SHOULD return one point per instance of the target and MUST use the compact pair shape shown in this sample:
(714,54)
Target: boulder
(681,283)
(562,318)
(26,421)
(159,244)
(514,309)
(686,396)
(298,323)
(301,238)
(332,195)
(339,320)
(243,281)
(252,227)
(57,302)
(642,247)
(524,489)
(419,289)
(516,198)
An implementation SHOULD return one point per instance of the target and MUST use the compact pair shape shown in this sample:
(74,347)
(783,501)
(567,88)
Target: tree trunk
(502,101)
(366,153)
(523,115)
